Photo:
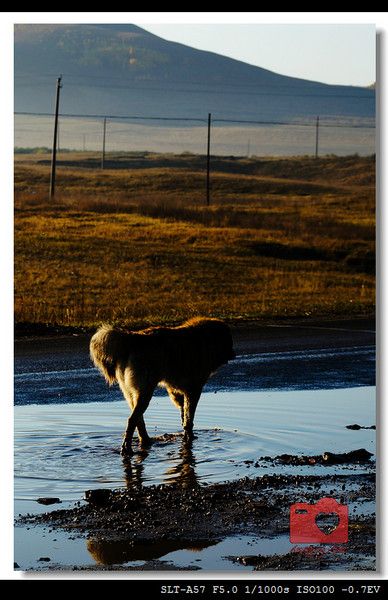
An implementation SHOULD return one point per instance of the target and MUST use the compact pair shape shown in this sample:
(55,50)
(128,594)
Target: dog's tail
(106,350)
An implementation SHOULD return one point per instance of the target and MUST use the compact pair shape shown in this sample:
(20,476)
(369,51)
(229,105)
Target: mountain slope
(131,52)
(117,69)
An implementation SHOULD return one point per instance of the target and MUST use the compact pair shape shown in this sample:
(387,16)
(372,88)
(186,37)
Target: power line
(199,120)
(364,93)
(296,123)
(77,116)
(239,92)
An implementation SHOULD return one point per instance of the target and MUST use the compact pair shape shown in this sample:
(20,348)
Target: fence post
(316,137)
(103,144)
(54,153)
(209,119)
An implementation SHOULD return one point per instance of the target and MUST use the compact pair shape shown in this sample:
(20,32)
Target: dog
(181,359)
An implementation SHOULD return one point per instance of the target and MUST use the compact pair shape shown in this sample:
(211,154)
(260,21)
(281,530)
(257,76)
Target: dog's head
(222,343)
(232,354)
(228,351)
(214,338)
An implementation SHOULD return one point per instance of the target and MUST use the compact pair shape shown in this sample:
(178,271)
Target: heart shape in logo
(327,522)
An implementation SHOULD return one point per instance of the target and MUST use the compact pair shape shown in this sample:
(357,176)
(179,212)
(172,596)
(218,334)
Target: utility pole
(54,153)
(208,160)
(103,144)
(316,137)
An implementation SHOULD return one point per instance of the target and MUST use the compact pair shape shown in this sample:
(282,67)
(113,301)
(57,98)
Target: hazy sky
(331,53)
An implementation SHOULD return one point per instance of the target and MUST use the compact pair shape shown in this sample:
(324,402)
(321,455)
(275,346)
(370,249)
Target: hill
(123,69)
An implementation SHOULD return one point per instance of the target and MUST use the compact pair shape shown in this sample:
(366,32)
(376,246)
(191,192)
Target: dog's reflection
(184,471)
(181,472)
(134,470)
(110,551)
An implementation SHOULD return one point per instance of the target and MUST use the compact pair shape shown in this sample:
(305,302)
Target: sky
(329,53)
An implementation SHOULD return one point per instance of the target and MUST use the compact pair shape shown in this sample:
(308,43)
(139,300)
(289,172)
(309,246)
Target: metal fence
(228,137)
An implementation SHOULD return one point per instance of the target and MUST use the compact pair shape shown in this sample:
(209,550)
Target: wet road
(314,356)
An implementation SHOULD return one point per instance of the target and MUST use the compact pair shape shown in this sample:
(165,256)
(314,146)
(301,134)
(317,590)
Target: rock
(251,561)
(99,497)
(44,559)
(355,456)
(48,500)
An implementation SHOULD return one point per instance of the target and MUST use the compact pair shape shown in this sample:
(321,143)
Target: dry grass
(136,244)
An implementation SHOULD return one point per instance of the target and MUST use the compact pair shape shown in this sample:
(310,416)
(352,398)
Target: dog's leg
(178,399)
(144,438)
(128,393)
(140,405)
(189,408)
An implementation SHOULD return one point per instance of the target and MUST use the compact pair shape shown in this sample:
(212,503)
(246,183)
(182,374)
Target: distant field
(340,137)
(136,244)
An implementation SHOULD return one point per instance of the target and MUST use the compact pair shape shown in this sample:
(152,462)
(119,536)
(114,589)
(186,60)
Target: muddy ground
(144,524)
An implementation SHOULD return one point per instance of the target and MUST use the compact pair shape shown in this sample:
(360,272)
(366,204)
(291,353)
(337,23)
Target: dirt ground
(146,523)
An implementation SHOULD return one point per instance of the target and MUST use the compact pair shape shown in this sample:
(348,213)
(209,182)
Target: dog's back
(175,355)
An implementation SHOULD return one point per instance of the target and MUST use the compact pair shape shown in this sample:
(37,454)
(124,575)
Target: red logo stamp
(307,522)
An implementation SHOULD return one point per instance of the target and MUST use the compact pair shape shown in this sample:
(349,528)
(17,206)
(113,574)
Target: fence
(169,135)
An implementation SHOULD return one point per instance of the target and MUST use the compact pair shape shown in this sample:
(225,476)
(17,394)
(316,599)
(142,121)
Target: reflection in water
(110,552)
(182,472)
(134,470)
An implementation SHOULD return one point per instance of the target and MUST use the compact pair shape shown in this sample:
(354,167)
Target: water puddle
(55,550)
(63,450)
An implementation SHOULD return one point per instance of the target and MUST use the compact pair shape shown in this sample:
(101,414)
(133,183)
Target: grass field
(136,244)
